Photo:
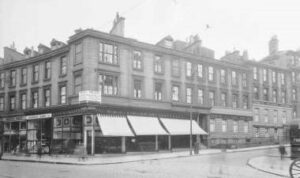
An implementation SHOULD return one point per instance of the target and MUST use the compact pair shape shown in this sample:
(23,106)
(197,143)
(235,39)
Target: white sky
(235,24)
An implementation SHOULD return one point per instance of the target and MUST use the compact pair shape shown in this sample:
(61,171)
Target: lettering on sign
(38,116)
(88,95)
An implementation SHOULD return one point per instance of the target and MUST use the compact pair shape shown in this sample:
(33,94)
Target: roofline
(148,46)
(35,58)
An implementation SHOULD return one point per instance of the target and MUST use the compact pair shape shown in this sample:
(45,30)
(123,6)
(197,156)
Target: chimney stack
(118,26)
(273,45)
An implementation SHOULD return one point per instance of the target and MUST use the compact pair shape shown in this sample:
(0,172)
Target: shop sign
(89,95)
(38,116)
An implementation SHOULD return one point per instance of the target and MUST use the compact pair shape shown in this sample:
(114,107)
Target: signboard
(89,95)
(38,116)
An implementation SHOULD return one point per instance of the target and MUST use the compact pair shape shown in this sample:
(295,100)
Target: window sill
(62,75)
(159,73)
(23,84)
(10,87)
(138,70)
(111,64)
(34,82)
(47,79)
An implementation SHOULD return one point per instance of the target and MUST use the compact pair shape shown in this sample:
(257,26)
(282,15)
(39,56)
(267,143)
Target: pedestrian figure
(282,151)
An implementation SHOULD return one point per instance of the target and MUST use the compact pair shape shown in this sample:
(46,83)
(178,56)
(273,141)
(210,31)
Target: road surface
(227,165)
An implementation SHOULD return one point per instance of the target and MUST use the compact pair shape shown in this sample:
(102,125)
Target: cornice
(34,59)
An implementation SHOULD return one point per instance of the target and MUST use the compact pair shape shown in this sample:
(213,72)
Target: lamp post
(191,115)
(191,128)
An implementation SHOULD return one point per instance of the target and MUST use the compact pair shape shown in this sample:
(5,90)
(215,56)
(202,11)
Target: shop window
(67,134)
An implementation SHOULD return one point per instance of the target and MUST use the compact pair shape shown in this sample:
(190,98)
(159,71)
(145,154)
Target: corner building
(148,94)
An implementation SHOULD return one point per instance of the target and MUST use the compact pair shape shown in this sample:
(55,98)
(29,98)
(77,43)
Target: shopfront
(81,131)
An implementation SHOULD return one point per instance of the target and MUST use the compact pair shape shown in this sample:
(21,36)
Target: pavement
(120,158)
(272,164)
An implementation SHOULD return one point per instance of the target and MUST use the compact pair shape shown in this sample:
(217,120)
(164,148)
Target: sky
(233,24)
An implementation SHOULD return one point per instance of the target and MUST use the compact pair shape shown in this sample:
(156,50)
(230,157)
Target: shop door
(89,142)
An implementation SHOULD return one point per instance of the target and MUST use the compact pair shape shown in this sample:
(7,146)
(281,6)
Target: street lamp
(191,128)
(191,115)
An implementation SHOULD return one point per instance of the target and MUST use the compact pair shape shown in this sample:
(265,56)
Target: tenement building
(105,93)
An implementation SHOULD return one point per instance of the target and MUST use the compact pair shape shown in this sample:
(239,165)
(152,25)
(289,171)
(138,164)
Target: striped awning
(143,125)
(182,127)
(114,125)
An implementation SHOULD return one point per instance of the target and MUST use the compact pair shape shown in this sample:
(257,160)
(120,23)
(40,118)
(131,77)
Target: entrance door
(89,142)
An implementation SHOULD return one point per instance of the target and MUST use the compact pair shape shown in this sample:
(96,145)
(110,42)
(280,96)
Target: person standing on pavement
(282,151)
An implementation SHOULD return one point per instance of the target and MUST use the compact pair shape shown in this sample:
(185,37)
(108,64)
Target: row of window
(275,95)
(33,102)
(12,77)
(275,76)
(108,84)
(224,126)
(274,116)
(266,132)
(159,68)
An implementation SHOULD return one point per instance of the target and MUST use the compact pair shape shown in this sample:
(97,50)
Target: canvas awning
(143,125)
(182,127)
(114,125)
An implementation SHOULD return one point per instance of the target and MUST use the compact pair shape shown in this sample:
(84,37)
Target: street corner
(271,164)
